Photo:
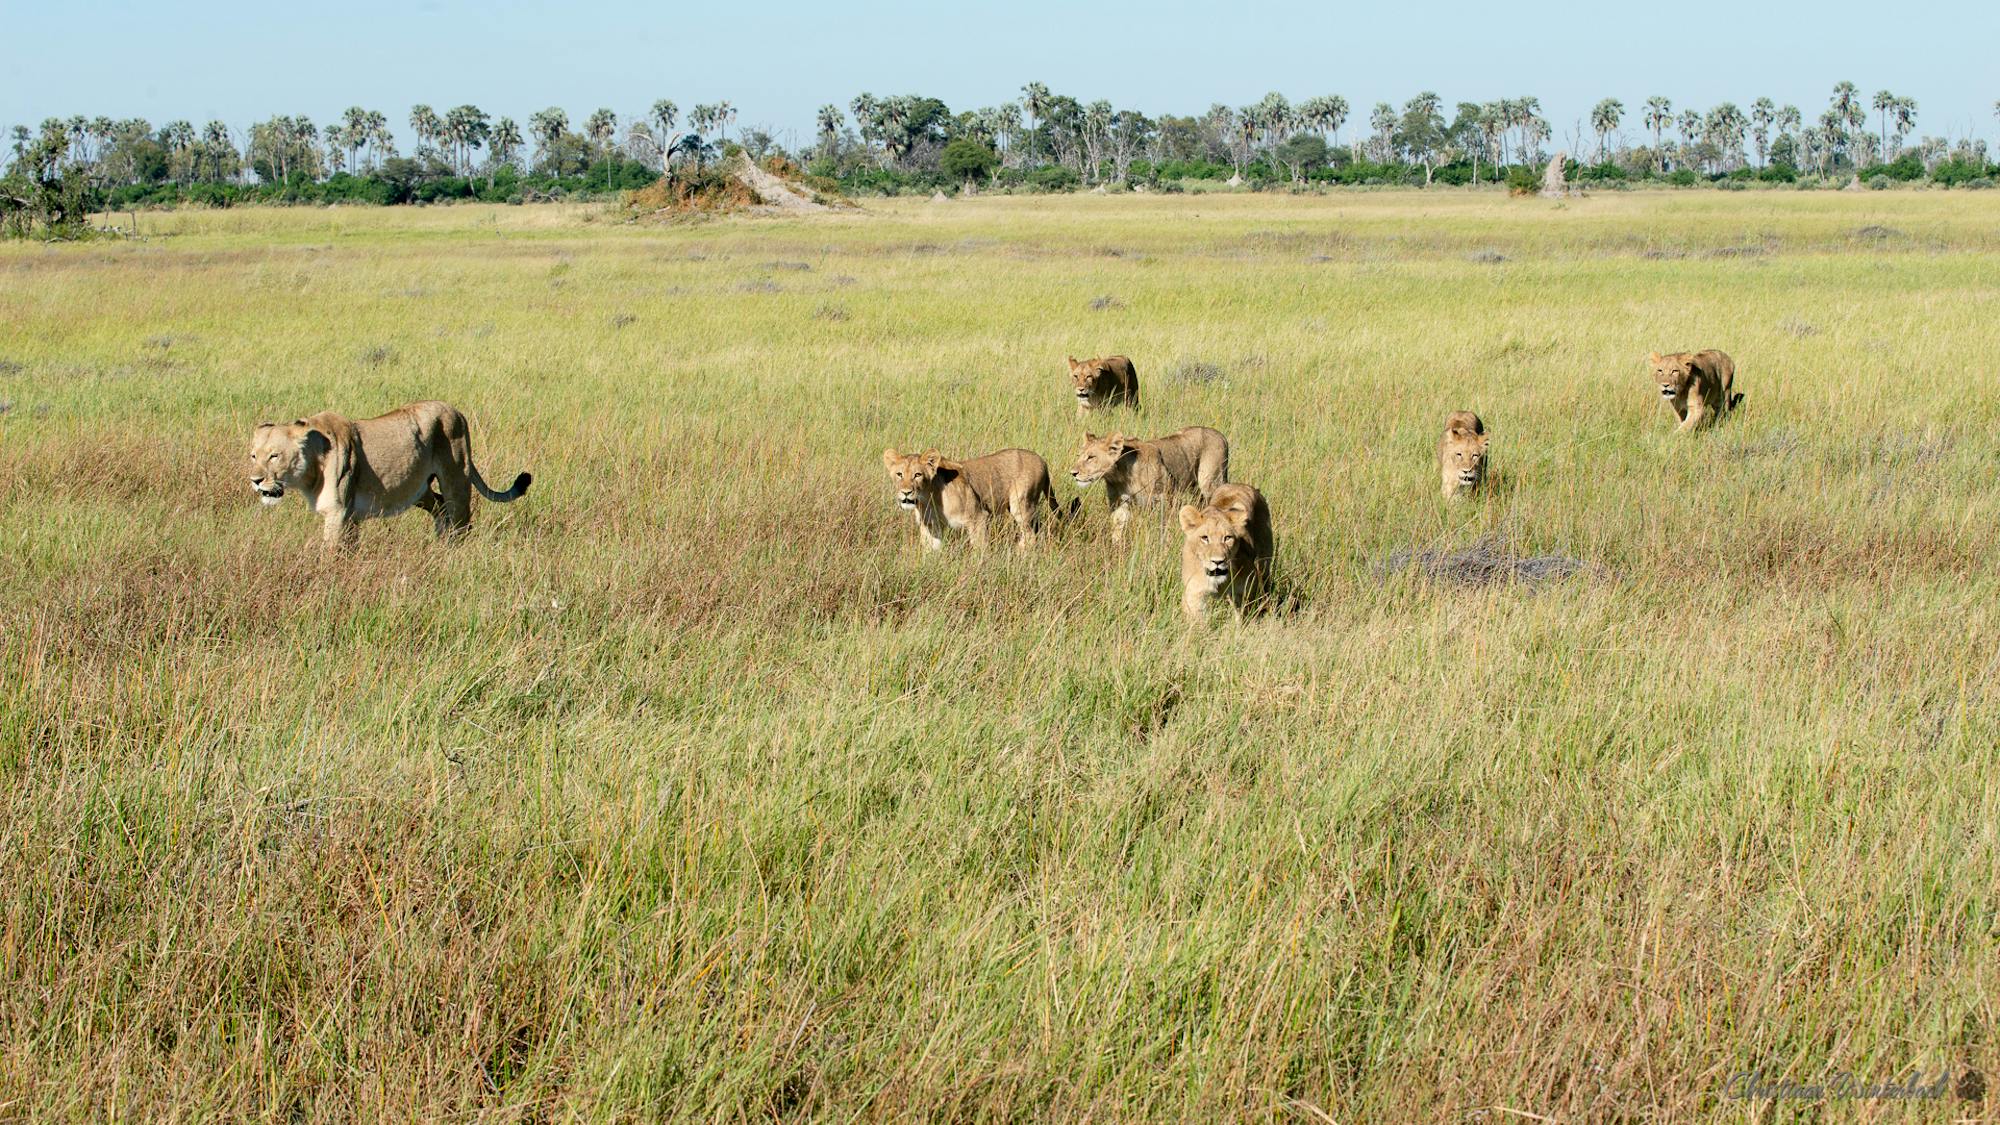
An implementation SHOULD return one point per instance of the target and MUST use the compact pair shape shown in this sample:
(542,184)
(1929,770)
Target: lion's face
(910,473)
(1100,455)
(1085,376)
(279,457)
(1672,373)
(1209,543)
(1464,454)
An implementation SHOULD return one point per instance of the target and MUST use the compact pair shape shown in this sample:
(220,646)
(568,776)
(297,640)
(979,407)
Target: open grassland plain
(690,787)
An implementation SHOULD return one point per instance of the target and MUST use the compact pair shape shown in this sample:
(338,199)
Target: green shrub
(967,159)
(1953,172)
(1054,178)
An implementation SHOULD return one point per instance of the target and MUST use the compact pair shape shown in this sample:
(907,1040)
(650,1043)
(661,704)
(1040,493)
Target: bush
(1905,167)
(1523,180)
(1953,172)
(1779,174)
(1983,183)
(967,159)
(1879,183)
(1054,178)
(1684,177)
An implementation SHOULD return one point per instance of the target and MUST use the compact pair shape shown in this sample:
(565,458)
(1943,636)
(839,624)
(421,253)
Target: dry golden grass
(688,788)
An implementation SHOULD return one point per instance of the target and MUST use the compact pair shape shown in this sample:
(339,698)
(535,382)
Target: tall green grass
(690,788)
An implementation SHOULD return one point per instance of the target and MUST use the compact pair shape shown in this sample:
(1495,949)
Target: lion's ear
(1190,516)
(932,458)
(1088,437)
(265,425)
(1072,360)
(1654,358)
(890,457)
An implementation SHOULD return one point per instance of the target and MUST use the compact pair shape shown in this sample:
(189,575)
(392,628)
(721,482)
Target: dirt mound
(736,186)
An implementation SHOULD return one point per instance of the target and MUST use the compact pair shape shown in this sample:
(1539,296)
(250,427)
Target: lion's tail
(1736,400)
(519,489)
(1061,513)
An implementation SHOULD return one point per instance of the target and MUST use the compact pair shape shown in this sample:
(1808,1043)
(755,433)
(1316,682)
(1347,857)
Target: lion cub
(1462,454)
(1225,546)
(1698,384)
(941,493)
(1151,473)
(1104,381)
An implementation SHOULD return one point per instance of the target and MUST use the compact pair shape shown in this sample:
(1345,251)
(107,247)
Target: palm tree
(1324,115)
(1659,114)
(1844,112)
(177,137)
(353,133)
(1884,102)
(1492,125)
(504,142)
(600,127)
(865,107)
(830,119)
(425,121)
(664,115)
(1035,100)
(1604,117)
(336,148)
(466,127)
(547,127)
(1904,113)
(218,145)
(725,115)
(1762,113)
(1725,127)
(1275,119)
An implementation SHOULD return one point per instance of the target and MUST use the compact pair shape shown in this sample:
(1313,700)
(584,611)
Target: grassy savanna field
(689,787)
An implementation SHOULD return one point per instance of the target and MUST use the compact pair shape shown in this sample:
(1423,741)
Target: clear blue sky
(779,60)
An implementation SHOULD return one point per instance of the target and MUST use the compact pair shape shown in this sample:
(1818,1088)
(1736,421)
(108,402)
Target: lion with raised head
(1462,454)
(1700,386)
(1150,474)
(1226,548)
(942,494)
(1105,381)
(349,471)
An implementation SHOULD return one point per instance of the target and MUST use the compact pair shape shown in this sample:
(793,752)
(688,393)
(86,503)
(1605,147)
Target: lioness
(1225,546)
(1462,454)
(1698,384)
(349,471)
(1104,381)
(941,493)
(1151,473)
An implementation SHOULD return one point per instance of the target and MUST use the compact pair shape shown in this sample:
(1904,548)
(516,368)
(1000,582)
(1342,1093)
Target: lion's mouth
(906,500)
(1666,392)
(1081,481)
(1467,478)
(1218,572)
(268,493)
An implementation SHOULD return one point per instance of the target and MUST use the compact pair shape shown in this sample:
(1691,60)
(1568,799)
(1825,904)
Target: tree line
(1041,140)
